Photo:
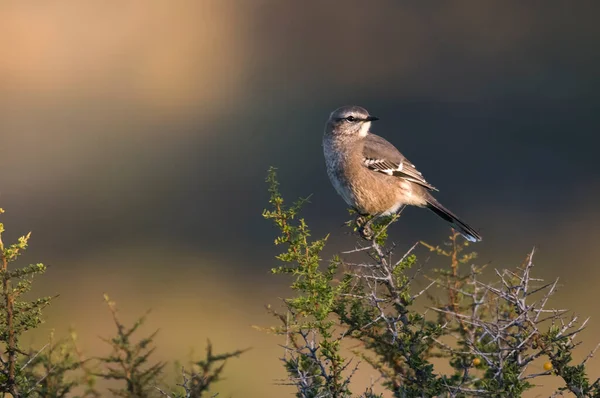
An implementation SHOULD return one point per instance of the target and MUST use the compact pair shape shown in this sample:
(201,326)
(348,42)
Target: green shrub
(488,333)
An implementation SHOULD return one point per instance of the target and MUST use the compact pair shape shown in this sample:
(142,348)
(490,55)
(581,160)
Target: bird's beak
(371,118)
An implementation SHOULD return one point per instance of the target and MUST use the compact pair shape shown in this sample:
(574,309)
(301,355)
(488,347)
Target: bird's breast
(337,166)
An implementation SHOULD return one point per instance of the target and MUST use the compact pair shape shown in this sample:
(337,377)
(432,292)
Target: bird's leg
(364,226)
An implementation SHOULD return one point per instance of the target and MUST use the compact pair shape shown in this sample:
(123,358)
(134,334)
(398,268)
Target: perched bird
(372,176)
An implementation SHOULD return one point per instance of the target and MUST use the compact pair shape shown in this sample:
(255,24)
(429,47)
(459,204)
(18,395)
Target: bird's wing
(382,157)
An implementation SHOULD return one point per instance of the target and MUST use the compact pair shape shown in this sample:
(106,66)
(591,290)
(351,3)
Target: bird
(372,176)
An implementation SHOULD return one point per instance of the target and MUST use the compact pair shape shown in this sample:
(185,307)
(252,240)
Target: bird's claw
(364,228)
(366,232)
(361,221)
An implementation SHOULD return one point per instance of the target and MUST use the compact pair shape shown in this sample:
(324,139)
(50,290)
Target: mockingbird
(372,176)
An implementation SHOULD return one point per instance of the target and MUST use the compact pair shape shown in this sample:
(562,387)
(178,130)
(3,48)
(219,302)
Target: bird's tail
(465,230)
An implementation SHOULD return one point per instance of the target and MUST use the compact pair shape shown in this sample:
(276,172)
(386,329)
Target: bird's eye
(350,118)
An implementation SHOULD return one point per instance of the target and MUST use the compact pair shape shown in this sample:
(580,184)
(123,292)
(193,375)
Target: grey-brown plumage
(371,175)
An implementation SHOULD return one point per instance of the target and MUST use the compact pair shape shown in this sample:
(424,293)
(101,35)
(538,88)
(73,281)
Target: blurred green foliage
(59,368)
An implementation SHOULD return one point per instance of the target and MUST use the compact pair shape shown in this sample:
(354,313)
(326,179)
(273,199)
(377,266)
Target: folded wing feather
(381,156)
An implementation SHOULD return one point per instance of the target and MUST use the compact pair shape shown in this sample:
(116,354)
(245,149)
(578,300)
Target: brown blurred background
(135,136)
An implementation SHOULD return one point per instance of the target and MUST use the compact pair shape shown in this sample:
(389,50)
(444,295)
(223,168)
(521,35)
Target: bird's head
(350,121)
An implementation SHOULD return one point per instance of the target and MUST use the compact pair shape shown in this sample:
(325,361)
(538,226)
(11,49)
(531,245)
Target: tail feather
(465,230)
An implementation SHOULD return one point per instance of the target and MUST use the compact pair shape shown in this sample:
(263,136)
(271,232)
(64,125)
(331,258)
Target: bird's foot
(361,221)
(366,232)
(363,225)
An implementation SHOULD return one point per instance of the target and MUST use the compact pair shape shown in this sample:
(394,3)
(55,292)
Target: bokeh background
(135,138)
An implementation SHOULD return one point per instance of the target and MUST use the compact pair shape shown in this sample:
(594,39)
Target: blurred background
(135,138)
